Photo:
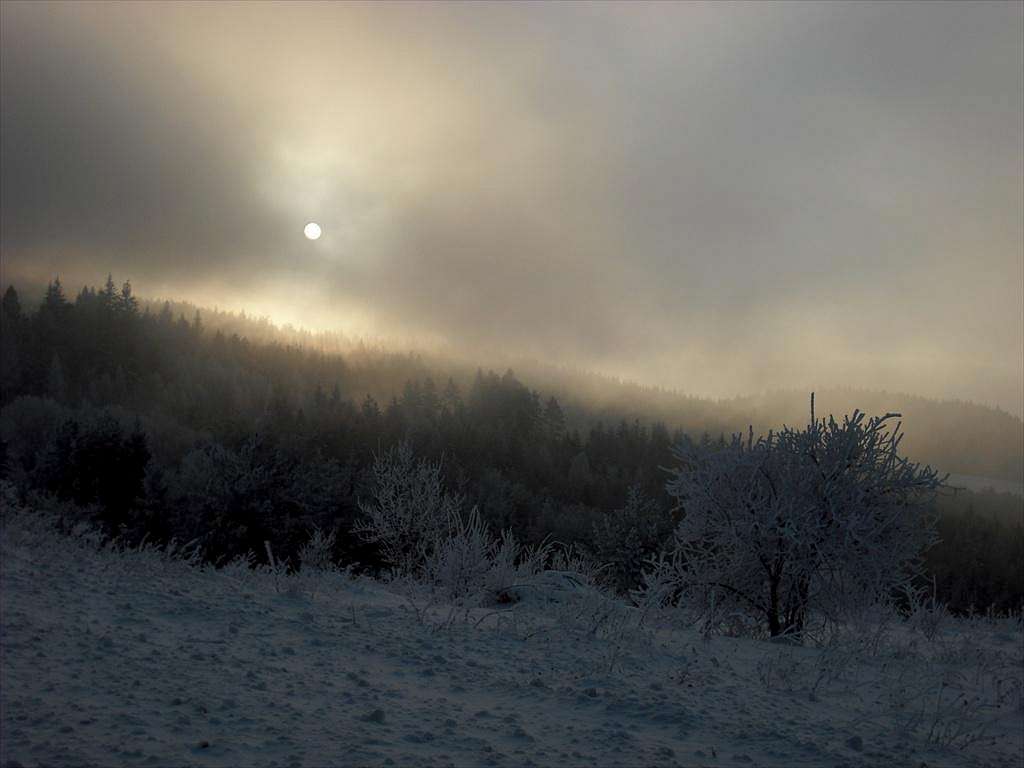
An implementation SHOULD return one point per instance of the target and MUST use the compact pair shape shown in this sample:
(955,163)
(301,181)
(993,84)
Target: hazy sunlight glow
(312,231)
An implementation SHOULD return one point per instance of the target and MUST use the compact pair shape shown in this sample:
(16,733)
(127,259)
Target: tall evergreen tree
(166,317)
(451,398)
(55,302)
(554,418)
(108,296)
(127,303)
(11,306)
(11,325)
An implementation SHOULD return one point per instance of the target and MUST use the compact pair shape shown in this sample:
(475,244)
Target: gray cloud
(718,198)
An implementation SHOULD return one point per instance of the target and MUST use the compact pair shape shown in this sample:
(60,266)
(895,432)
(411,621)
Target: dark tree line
(978,563)
(168,430)
(150,424)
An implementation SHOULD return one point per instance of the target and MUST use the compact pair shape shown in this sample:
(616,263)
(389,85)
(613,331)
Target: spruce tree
(11,308)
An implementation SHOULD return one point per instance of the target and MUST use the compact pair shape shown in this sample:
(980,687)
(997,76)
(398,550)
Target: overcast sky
(719,198)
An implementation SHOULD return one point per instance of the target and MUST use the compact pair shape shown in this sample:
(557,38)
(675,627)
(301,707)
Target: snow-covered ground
(130,659)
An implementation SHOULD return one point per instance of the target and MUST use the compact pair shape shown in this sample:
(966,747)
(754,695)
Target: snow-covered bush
(570,559)
(471,567)
(410,511)
(316,560)
(424,533)
(822,520)
(925,614)
(513,567)
(240,570)
(317,554)
(459,563)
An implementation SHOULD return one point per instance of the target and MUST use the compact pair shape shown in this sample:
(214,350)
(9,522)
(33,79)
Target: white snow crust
(130,658)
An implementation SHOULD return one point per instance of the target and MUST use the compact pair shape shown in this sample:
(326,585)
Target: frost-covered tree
(812,521)
(410,510)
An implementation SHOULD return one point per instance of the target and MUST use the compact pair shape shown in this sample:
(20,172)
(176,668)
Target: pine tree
(108,296)
(166,317)
(429,401)
(86,297)
(127,303)
(553,418)
(370,410)
(451,398)
(10,343)
(11,308)
(55,303)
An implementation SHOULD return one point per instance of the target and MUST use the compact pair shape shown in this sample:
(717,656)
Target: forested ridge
(960,437)
(169,421)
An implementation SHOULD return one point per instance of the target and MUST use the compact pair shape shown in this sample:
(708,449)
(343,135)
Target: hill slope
(955,436)
(132,658)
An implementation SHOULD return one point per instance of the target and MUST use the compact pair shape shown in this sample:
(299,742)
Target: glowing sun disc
(312,231)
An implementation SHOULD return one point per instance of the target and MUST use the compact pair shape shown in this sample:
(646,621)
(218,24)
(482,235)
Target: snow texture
(133,658)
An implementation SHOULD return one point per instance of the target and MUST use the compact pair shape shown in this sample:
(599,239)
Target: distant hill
(955,436)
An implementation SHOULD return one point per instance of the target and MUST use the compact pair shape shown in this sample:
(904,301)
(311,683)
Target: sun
(312,231)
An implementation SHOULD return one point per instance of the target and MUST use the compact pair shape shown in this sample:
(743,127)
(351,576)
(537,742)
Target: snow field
(134,658)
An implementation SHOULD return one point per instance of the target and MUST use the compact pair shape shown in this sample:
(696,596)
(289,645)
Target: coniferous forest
(146,422)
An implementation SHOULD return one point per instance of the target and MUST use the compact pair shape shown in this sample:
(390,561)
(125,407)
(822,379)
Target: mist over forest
(488,384)
(958,437)
(722,200)
(163,393)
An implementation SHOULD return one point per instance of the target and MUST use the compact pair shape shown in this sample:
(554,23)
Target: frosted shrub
(503,576)
(316,560)
(513,567)
(821,520)
(571,559)
(317,554)
(659,585)
(459,563)
(423,531)
(410,511)
(156,556)
(240,570)
(926,614)
(87,534)
(470,567)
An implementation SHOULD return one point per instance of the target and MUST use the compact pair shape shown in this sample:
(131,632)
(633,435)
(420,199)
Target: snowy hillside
(130,658)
